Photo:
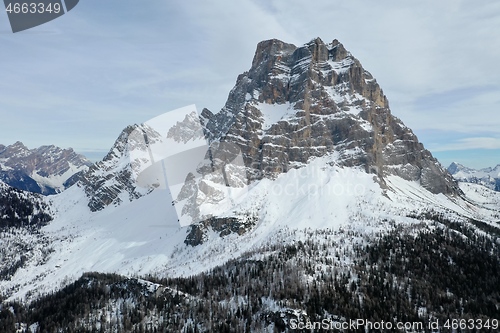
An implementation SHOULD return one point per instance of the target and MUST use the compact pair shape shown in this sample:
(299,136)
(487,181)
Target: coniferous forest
(437,270)
(22,209)
(21,216)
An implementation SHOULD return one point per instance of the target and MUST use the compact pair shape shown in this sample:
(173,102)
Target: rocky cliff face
(296,103)
(113,180)
(45,170)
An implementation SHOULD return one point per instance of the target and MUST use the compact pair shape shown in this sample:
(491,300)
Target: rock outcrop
(113,180)
(224,226)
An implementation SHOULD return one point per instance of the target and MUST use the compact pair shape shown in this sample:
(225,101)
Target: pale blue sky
(79,80)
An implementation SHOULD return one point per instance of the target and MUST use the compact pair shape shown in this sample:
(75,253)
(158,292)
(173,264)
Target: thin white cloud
(469,144)
(470,110)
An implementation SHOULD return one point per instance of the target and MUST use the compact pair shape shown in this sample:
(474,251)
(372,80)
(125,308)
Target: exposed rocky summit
(113,179)
(296,103)
(45,170)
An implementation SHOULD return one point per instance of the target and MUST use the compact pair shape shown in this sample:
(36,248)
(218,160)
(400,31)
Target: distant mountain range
(489,177)
(45,170)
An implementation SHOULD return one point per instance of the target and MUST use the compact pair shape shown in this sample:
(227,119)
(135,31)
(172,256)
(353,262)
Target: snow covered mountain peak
(296,103)
(46,170)
(293,105)
(112,180)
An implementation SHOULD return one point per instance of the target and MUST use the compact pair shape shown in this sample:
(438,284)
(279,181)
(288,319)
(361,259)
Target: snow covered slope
(486,201)
(143,237)
(320,150)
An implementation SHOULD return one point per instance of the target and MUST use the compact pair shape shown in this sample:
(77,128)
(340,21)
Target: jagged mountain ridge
(45,170)
(112,180)
(489,177)
(301,102)
(294,104)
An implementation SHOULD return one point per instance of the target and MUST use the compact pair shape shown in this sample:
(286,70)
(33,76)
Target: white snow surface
(57,181)
(342,66)
(273,113)
(3,166)
(143,236)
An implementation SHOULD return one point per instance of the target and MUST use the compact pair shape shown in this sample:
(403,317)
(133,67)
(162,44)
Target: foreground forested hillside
(419,273)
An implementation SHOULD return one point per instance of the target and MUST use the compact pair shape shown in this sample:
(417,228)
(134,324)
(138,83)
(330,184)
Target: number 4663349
(33,8)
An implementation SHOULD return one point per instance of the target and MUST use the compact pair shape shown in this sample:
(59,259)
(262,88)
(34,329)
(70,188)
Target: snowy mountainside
(45,170)
(483,199)
(143,237)
(415,274)
(489,177)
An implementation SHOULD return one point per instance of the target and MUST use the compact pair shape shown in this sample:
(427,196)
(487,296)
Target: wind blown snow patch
(272,113)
